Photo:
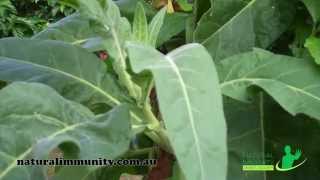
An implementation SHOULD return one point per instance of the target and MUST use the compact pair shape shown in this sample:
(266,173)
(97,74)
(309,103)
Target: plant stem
(155,131)
(120,68)
(151,119)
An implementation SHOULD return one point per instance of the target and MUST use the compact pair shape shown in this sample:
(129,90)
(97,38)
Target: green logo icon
(288,159)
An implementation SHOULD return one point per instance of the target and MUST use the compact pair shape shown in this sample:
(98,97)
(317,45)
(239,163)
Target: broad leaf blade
(258,24)
(77,30)
(119,31)
(69,29)
(73,72)
(191,106)
(76,74)
(25,107)
(296,90)
(220,13)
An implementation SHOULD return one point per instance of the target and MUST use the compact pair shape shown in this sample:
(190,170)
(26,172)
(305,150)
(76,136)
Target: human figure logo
(289,159)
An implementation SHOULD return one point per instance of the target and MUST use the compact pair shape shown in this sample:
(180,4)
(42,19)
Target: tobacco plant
(196,90)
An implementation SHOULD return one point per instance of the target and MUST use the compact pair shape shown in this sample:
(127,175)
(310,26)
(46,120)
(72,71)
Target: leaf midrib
(230,21)
(253,80)
(189,109)
(110,97)
(106,94)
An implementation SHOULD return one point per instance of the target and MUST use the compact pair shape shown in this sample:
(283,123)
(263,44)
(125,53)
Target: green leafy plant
(196,90)
(11,24)
(25,18)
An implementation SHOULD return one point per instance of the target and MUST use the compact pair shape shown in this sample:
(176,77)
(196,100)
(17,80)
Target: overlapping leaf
(293,83)
(34,119)
(70,29)
(257,24)
(76,74)
(219,14)
(75,29)
(191,106)
(73,72)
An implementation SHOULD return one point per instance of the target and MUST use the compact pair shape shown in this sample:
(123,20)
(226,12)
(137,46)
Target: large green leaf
(293,83)
(105,29)
(73,72)
(76,74)
(296,90)
(119,31)
(257,24)
(76,30)
(191,106)
(70,29)
(220,13)
(34,120)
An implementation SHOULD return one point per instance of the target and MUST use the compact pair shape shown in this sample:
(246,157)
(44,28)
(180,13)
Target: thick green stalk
(120,68)
(155,130)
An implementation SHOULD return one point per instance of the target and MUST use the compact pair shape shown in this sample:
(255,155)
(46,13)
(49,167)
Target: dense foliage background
(23,18)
